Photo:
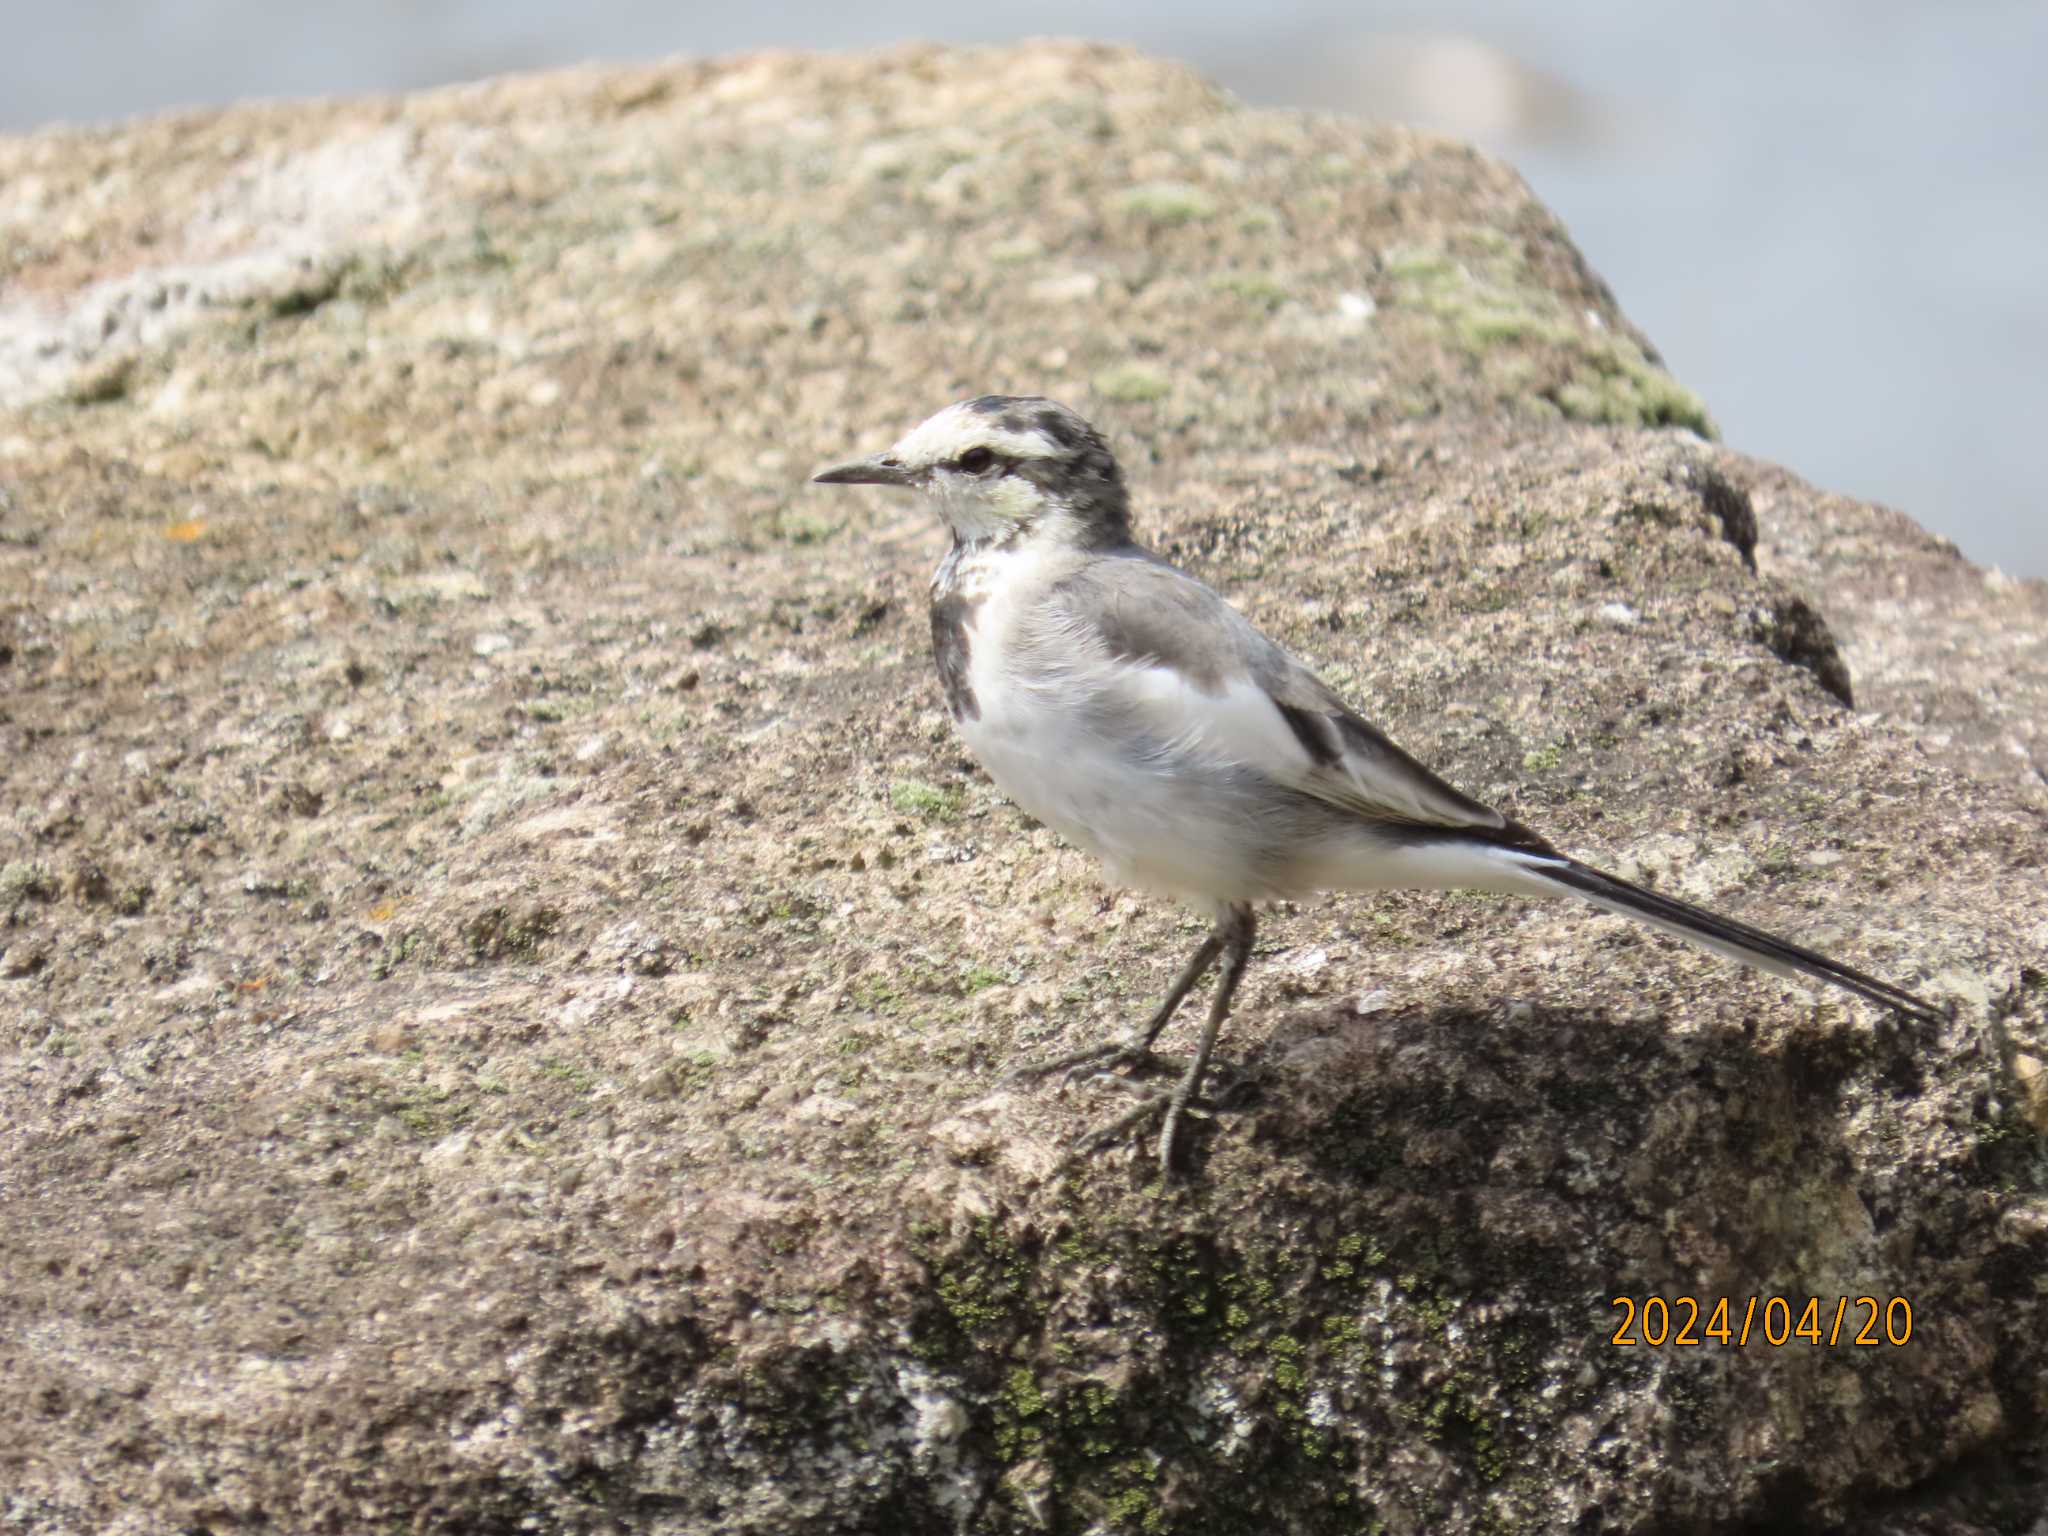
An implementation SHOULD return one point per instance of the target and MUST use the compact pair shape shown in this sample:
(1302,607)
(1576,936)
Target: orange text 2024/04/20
(1674,1322)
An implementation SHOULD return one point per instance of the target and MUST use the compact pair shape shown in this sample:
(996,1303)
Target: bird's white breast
(1049,710)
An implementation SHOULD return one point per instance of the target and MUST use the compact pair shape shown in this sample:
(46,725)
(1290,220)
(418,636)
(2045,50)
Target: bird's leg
(1237,928)
(1135,1049)
(1233,939)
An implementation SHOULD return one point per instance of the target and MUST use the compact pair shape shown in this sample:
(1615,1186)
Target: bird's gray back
(1145,610)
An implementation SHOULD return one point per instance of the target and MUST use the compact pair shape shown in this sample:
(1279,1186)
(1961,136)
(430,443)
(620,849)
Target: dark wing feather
(1142,610)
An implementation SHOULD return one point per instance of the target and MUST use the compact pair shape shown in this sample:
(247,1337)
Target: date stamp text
(1682,1322)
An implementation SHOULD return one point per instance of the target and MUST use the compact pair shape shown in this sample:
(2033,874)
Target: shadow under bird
(1130,708)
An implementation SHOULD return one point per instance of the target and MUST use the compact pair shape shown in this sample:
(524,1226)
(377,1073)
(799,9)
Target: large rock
(507,969)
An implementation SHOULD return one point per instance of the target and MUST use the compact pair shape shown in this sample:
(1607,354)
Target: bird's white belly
(1154,820)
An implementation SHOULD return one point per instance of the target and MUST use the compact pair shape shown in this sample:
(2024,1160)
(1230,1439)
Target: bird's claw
(1162,1105)
(1096,1061)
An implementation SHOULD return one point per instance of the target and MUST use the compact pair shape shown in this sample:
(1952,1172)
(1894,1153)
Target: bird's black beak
(879,470)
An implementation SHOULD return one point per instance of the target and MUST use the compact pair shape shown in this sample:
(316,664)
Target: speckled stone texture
(506,969)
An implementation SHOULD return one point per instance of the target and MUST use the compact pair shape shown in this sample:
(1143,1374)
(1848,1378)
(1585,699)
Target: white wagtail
(1129,707)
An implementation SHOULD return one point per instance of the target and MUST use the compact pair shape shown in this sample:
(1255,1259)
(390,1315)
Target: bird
(1130,707)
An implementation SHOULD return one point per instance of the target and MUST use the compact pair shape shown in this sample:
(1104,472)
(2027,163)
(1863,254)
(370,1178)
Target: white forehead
(960,427)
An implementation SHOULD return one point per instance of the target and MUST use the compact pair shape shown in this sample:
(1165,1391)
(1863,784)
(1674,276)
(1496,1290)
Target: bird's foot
(1166,1106)
(1131,1053)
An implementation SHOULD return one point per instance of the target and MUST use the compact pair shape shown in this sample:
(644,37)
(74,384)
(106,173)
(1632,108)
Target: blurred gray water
(1830,216)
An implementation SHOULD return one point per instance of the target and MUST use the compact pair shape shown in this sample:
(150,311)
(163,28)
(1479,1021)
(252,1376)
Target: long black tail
(1723,935)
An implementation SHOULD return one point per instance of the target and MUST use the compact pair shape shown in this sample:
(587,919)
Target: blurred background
(1830,216)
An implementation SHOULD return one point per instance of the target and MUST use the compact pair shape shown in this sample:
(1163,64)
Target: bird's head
(1003,467)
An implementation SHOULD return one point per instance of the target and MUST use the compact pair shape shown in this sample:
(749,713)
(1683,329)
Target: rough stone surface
(506,970)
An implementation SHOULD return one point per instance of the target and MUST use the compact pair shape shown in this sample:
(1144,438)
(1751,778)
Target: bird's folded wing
(1357,765)
(1198,677)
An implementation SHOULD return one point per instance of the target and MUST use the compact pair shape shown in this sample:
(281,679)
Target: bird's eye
(975,460)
